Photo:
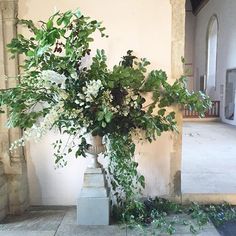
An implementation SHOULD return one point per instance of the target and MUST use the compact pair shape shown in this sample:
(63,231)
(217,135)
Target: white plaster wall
(142,26)
(226,54)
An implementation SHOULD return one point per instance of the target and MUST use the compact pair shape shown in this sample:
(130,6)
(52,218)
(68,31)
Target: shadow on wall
(33,180)
(49,185)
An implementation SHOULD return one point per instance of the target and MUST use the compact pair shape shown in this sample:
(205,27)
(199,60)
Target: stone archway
(211,60)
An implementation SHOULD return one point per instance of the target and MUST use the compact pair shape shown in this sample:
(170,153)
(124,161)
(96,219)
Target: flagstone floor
(209,158)
(61,221)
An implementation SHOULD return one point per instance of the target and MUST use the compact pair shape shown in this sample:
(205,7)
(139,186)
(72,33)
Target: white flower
(36,132)
(125,112)
(81,96)
(63,85)
(63,94)
(91,90)
(74,75)
(135,97)
(135,105)
(114,109)
(54,77)
(127,100)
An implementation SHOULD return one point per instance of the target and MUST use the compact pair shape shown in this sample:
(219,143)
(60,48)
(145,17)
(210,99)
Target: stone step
(93,180)
(93,192)
(93,171)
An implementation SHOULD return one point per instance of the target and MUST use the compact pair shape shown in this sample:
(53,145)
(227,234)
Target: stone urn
(95,147)
(93,206)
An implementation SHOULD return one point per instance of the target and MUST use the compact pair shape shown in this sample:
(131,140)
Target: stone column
(177,51)
(13,163)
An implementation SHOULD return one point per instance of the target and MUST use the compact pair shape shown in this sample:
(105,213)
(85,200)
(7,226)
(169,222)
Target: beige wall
(145,27)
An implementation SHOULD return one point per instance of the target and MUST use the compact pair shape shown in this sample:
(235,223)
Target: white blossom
(63,94)
(125,112)
(74,75)
(91,90)
(37,131)
(81,96)
(54,77)
(134,97)
(135,104)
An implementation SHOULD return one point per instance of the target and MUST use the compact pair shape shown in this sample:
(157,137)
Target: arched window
(212,36)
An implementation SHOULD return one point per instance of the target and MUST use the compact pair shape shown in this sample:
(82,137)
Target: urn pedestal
(93,202)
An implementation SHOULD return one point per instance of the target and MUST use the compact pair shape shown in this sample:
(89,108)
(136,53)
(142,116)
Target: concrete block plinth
(93,202)
(93,211)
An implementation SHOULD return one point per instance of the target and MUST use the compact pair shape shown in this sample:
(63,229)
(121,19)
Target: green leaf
(42,50)
(90,39)
(108,116)
(100,116)
(60,20)
(110,84)
(161,112)
(30,53)
(142,181)
(49,24)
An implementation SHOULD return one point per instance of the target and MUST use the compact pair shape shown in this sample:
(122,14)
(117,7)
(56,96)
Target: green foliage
(219,214)
(57,90)
(125,181)
(198,213)
(59,44)
(160,215)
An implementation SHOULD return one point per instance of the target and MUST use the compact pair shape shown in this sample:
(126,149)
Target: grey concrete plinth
(93,202)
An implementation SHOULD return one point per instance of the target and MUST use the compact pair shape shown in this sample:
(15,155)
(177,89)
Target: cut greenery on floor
(163,215)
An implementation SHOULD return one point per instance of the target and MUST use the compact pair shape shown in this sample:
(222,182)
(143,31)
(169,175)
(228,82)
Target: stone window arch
(212,42)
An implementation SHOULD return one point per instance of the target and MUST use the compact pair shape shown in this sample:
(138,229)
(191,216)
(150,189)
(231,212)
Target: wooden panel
(213,112)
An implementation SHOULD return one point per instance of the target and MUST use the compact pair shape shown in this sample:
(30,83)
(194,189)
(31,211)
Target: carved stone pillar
(177,51)
(13,163)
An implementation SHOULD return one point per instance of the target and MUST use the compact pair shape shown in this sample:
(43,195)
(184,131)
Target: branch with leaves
(58,91)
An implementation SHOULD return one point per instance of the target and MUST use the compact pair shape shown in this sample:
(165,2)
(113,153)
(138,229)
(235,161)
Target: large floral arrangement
(57,89)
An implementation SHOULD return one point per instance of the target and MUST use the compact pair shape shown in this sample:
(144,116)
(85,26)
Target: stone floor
(209,158)
(228,229)
(38,221)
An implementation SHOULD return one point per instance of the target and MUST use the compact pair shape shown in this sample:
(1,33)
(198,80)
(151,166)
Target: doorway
(230,94)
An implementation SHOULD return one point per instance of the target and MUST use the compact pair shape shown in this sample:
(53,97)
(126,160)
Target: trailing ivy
(125,181)
(159,215)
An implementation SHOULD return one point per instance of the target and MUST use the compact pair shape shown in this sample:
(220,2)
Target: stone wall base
(17,193)
(13,193)
(207,198)
(3,194)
